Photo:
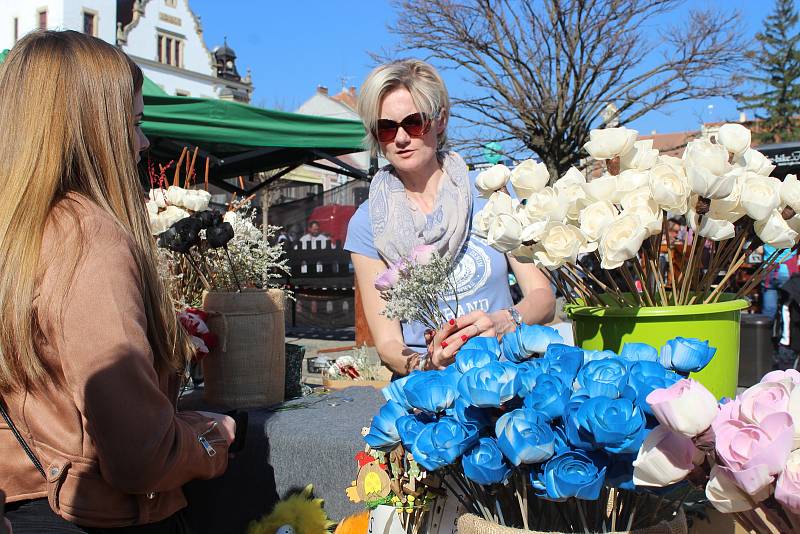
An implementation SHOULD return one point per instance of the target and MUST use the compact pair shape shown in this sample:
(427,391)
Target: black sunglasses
(415,125)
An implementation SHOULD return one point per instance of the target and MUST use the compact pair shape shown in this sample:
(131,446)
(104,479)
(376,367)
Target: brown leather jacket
(115,450)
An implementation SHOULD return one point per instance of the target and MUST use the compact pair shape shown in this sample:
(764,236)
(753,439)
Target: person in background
(314,236)
(787,265)
(91,352)
(283,238)
(786,327)
(675,231)
(426,197)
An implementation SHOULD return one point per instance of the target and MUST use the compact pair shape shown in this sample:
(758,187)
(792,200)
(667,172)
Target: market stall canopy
(242,140)
(149,88)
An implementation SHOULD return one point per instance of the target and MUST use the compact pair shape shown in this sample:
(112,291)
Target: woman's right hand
(225,424)
(443,345)
(445,342)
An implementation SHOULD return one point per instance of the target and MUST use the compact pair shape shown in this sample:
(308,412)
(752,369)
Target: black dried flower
(172,240)
(218,236)
(181,236)
(188,225)
(208,218)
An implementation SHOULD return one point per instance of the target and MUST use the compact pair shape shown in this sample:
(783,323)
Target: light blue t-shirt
(481,272)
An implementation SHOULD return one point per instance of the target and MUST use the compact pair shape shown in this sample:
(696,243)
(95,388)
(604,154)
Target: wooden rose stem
(612,282)
(626,274)
(576,278)
(691,269)
(660,283)
(614,294)
(651,258)
(714,295)
(638,269)
(762,271)
(522,496)
(672,282)
(735,262)
(743,519)
(701,208)
(652,265)
(730,254)
(724,252)
(461,499)
(557,282)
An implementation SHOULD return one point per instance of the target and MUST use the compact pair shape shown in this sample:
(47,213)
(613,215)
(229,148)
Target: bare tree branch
(544,70)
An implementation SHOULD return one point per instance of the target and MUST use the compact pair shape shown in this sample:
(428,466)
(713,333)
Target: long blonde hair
(67,126)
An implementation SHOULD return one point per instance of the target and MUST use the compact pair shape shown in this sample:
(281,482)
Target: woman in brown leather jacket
(90,350)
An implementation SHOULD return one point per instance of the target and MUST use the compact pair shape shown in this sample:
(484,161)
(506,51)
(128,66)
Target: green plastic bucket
(609,328)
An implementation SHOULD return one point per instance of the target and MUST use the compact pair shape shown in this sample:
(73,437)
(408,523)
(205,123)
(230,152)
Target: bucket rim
(727,304)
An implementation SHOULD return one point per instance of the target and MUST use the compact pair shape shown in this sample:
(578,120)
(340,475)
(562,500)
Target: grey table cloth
(309,440)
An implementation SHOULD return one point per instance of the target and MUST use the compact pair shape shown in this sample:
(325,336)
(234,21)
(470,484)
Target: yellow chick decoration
(300,513)
(372,482)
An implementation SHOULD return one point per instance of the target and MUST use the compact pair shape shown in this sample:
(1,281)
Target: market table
(308,440)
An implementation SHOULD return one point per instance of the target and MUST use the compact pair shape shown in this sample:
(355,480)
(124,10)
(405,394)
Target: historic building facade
(164,37)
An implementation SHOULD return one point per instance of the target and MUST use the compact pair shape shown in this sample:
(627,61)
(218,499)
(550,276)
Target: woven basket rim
(679,518)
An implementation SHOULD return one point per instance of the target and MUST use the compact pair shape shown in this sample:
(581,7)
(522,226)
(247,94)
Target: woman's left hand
(480,323)
(503,322)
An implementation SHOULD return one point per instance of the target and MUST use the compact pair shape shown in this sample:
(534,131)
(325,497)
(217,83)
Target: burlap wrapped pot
(248,365)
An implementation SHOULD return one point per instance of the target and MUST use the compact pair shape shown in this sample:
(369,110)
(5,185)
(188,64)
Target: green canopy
(241,140)
(149,88)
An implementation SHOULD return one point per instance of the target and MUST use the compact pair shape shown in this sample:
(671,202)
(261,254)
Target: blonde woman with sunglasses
(425,196)
(90,349)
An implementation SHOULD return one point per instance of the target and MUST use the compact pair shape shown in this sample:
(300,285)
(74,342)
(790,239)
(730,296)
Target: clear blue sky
(293,46)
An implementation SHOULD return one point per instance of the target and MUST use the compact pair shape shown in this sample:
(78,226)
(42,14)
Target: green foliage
(776,73)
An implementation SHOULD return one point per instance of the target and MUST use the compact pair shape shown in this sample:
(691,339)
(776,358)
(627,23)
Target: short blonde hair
(423,82)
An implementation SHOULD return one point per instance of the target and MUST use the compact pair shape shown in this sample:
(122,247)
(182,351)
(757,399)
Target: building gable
(173,21)
(325,106)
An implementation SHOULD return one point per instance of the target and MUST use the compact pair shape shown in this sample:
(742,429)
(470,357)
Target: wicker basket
(472,524)
(247,367)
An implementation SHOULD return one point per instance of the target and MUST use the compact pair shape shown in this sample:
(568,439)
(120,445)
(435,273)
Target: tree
(544,70)
(776,65)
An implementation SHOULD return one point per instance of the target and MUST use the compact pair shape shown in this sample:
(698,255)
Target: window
(181,92)
(43,19)
(171,3)
(16,29)
(170,51)
(89,26)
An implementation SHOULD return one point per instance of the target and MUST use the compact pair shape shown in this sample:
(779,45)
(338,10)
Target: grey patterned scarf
(398,225)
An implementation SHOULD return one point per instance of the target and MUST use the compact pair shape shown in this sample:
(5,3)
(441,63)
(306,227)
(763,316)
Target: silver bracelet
(515,315)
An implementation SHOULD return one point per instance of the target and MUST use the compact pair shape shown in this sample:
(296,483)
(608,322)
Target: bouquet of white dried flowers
(414,288)
(228,254)
(721,185)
